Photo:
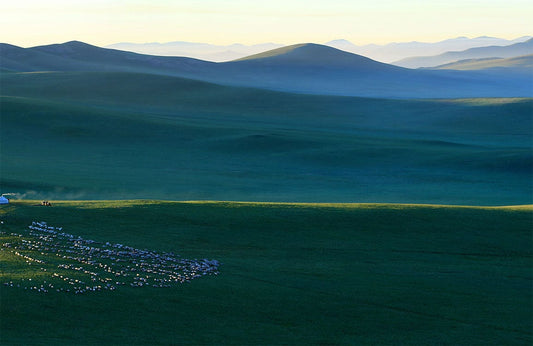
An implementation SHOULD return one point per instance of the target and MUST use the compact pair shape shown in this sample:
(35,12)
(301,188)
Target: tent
(3,200)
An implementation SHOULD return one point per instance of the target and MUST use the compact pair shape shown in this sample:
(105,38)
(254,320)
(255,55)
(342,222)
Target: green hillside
(301,55)
(273,52)
(290,274)
(75,135)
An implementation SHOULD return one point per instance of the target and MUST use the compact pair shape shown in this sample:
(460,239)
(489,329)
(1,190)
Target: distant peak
(75,43)
(311,54)
(343,41)
(272,53)
(70,46)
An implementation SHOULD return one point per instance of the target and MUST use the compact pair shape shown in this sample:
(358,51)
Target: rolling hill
(109,135)
(315,55)
(87,128)
(79,56)
(514,50)
(517,64)
(385,53)
(318,69)
(305,68)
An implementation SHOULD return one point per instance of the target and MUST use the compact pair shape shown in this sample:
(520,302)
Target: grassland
(102,135)
(291,274)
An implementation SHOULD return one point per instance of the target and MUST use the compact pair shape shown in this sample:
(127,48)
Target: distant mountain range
(203,51)
(384,53)
(396,51)
(514,50)
(303,68)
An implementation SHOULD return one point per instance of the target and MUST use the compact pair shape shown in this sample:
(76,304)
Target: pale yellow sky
(101,22)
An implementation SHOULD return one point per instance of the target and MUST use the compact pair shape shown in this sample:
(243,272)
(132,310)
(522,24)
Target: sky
(101,22)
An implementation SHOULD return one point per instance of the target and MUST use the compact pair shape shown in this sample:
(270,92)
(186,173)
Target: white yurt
(3,200)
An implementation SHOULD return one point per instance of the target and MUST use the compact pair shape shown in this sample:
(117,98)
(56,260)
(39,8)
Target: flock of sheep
(76,265)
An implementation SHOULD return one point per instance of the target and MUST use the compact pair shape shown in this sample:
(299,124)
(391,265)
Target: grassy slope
(316,56)
(520,63)
(309,274)
(79,56)
(120,135)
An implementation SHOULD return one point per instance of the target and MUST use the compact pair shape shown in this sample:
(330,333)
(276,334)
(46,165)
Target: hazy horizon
(525,35)
(104,22)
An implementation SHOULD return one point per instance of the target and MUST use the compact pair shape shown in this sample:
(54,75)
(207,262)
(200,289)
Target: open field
(290,273)
(104,135)
(108,126)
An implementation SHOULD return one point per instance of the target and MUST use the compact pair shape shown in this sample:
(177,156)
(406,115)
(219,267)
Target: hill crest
(302,68)
(312,54)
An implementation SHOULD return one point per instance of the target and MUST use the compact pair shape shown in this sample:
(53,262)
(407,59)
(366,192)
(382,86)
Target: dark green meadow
(291,274)
(110,135)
